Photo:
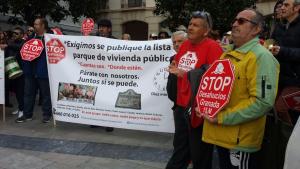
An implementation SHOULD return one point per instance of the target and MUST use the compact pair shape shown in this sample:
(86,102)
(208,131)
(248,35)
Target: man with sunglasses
(238,129)
(13,49)
(193,53)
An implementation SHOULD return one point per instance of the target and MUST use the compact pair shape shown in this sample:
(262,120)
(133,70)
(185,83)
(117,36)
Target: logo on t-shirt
(188,61)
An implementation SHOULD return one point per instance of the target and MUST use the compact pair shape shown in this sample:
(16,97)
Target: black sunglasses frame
(242,21)
(17,33)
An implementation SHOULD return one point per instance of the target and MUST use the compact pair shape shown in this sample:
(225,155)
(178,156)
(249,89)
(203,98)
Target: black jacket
(13,49)
(172,86)
(288,38)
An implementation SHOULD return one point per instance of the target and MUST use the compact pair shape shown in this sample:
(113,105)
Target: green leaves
(25,11)
(178,12)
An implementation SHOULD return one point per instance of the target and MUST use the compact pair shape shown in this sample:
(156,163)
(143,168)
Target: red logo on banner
(87,26)
(215,87)
(32,49)
(56,51)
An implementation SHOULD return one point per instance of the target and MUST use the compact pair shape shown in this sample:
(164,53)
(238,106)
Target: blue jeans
(30,88)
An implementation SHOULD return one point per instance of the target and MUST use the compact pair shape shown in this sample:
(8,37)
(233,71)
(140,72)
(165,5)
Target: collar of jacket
(241,51)
(295,20)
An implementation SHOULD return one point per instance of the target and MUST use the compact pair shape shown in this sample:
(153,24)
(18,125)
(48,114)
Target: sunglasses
(204,15)
(30,30)
(241,21)
(16,33)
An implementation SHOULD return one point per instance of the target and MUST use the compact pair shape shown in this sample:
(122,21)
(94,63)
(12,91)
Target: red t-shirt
(192,56)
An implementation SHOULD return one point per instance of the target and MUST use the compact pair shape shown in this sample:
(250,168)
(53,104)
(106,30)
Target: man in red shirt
(193,53)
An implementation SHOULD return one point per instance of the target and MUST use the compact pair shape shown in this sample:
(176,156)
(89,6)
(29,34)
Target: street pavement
(35,145)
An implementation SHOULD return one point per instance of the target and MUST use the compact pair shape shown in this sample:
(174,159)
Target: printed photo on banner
(76,93)
(129,99)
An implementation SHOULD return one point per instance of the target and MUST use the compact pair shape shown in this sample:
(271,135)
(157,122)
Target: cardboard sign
(215,87)
(32,49)
(87,26)
(55,51)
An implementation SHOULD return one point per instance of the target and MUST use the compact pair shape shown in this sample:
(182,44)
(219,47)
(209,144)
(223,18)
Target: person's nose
(234,24)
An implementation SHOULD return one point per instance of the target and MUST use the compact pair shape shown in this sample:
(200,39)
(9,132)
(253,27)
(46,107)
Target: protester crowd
(243,131)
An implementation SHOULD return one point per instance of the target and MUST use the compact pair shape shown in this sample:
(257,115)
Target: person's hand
(205,116)
(198,113)
(175,70)
(211,120)
(275,50)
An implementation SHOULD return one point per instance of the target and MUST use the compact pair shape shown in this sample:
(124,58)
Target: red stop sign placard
(56,51)
(57,31)
(87,26)
(215,87)
(32,49)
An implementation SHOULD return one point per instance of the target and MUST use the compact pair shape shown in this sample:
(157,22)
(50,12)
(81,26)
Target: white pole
(3,106)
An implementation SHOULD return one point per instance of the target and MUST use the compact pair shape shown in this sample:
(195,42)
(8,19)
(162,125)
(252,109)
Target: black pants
(201,152)
(236,159)
(30,89)
(19,89)
(181,153)
(188,144)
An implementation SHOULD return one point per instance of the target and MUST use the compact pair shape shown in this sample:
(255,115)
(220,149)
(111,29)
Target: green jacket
(241,122)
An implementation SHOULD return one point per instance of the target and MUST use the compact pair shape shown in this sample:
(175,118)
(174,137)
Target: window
(135,3)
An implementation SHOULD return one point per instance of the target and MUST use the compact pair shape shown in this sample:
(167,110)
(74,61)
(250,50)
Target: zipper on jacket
(263,86)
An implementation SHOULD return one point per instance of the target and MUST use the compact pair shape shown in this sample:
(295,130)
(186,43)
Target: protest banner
(2,78)
(110,82)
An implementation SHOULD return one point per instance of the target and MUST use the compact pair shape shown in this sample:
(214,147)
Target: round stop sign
(215,87)
(57,31)
(56,51)
(32,49)
(87,26)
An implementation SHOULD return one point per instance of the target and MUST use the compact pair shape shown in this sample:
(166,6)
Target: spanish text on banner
(109,82)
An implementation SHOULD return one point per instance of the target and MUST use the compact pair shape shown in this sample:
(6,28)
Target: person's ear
(207,32)
(257,30)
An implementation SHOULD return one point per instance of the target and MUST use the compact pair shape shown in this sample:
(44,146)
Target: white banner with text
(110,82)
(2,77)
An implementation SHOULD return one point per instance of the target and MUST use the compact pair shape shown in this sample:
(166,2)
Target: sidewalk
(35,145)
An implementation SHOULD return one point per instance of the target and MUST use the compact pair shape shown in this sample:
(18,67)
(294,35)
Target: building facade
(135,17)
